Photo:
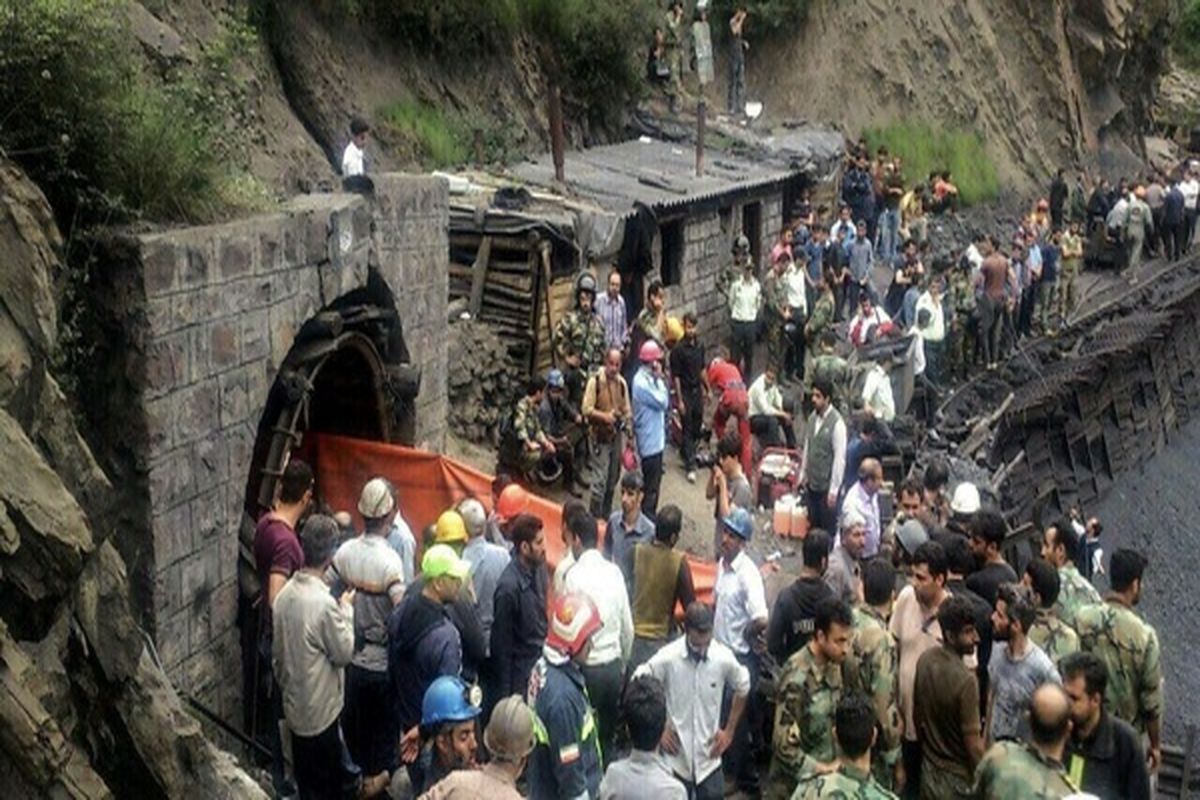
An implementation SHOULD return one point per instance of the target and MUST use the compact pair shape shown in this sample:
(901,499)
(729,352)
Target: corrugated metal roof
(659,174)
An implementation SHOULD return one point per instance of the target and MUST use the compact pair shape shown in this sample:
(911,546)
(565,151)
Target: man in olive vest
(659,578)
(824,461)
(607,410)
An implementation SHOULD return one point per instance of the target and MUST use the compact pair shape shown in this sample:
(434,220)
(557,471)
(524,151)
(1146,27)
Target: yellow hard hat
(674,331)
(450,528)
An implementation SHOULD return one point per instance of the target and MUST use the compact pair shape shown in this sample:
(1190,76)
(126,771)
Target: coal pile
(1064,417)
(484,382)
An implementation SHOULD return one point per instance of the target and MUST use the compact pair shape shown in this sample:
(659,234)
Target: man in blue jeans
(651,399)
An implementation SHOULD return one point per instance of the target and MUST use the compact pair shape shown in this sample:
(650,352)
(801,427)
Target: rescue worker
(607,409)
(579,339)
(566,760)
(811,684)
(563,424)
(423,645)
(509,741)
(448,713)
(1012,769)
(855,731)
(725,380)
(1128,646)
(875,657)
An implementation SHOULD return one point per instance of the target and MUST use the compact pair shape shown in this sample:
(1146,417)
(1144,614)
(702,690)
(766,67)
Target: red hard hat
(650,352)
(513,500)
(574,620)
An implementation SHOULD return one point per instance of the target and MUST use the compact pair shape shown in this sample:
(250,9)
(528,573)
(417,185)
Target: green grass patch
(925,149)
(439,138)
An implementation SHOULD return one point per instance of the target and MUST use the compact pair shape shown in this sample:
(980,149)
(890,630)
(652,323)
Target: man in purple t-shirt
(277,554)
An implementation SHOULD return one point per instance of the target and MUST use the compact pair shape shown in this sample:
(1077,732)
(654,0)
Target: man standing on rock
(1138,223)
(737,61)
(993,281)
(607,409)
(1058,199)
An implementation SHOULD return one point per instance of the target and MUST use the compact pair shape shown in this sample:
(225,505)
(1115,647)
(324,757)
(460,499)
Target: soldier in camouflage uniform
(527,442)
(854,726)
(1018,771)
(822,317)
(579,343)
(775,310)
(1055,637)
(963,322)
(1129,648)
(1061,545)
(734,268)
(833,368)
(812,682)
(875,655)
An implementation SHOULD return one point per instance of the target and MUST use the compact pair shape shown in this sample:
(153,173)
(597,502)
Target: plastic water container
(781,521)
(799,520)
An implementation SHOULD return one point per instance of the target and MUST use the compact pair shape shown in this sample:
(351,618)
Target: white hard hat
(965,499)
(377,499)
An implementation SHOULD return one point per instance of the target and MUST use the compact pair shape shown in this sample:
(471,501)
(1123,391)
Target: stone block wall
(222,307)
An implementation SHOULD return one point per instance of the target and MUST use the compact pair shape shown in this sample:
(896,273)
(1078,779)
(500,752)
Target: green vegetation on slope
(103,141)
(1187,35)
(926,150)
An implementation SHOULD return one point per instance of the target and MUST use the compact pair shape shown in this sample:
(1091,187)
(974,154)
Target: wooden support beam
(479,270)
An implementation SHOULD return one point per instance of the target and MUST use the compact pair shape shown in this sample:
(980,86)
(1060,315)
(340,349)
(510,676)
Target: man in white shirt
(697,672)
(313,642)
(604,583)
(795,280)
(353,155)
(933,334)
(745,301)
(769,420)
(867,323)
(1191,202)
(877,394)
(823,462)
(740,624)
(863,499)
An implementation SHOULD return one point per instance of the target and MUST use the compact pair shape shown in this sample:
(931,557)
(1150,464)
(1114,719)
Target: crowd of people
(907,660)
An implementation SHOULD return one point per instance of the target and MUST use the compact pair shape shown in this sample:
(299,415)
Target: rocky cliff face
(1045,83)
(85,711)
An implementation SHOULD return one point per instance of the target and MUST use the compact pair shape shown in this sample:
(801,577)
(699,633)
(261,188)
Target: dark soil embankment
(1155,510)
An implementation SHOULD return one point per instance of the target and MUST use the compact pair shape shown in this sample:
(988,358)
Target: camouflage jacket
(1076,592)
(875,654)
(804,706)
(961,295)
(774,296)
(527,425)
(1016,771)
(579,334)
(647,323)
(1128,646)
(726,276)
(834,369)
(821,317)
(1054,636)
(848,783)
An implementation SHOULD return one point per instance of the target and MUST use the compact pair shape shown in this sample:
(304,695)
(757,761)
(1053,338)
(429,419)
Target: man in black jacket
(519,629)
(791,621)
(1104,755)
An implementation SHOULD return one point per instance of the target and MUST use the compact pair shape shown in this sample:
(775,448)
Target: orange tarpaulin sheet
(428,484)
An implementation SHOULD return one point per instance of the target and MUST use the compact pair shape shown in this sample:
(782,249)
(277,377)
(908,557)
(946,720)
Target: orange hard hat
(513,500)
(574,620)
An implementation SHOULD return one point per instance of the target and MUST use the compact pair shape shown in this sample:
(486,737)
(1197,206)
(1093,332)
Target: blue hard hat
(739,523)
(448,699)
(554,379)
